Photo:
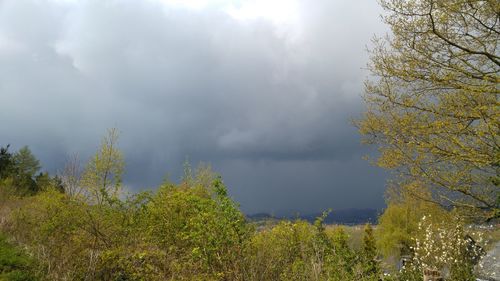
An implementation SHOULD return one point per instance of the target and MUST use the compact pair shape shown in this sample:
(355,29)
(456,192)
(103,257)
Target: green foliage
(201,228)
(187,231)
(432,105)
(102,175)
(281,253)
(301,251)
(445,248)
(25,167)
(25,162)
(406,205)
(47,224)
(6,162)
(369,254)
(19,173)
(15,265)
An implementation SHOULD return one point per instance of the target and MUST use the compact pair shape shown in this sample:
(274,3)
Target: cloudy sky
(263,90)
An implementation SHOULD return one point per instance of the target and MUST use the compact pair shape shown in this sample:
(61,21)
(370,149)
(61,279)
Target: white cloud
(276,11)
(9,46)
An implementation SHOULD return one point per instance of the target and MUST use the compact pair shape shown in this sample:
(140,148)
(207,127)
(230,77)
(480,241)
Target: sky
(264,91)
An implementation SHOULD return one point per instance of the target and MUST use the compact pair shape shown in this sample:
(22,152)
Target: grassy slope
(14,263)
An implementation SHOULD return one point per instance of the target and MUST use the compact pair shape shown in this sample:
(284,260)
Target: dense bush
(15,264)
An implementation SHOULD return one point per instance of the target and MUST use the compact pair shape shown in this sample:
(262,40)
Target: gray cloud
(269,106)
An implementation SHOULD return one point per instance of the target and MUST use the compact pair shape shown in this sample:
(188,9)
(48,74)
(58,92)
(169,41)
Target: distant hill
(345,216)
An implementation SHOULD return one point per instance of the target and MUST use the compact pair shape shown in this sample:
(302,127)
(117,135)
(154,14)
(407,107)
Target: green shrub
(201,227)
(15,265)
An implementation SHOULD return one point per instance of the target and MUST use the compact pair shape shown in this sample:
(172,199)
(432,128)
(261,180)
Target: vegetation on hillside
(193,230)
(15,264)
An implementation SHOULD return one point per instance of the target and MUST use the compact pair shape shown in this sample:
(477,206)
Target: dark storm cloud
(268,105)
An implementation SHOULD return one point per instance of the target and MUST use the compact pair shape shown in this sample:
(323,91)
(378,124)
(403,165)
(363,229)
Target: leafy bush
(200,227)
(15,265)
(445,248)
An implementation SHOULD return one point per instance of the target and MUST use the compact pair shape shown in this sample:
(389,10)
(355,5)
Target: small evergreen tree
(20,170)
(26,163)
(6,162)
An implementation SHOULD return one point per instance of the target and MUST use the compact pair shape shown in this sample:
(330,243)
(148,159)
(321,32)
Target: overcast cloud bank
(266,96)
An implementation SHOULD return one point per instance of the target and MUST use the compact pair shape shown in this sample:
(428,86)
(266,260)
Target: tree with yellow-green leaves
(101,178)
(397,226)
(433,101)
